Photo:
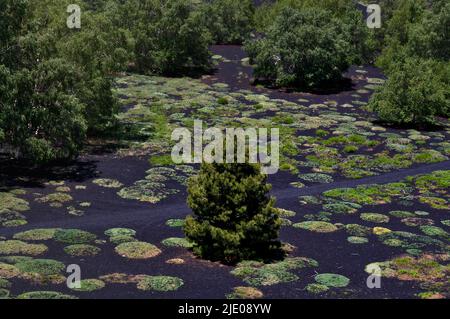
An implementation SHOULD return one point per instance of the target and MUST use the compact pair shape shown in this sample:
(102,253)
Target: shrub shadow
(325,88)
(21,173)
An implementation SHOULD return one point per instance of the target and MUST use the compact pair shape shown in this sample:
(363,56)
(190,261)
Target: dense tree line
(308,44)
(56,83)
(229,21)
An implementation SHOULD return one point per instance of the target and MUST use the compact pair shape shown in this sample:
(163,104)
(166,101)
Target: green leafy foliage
(40,116)
(229,21)
(416,58)
(169,35)
(55,82)
(414,93)
(416,29)
(332,280)
(304,48)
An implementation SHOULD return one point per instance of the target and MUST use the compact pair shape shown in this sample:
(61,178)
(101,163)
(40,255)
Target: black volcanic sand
(203,279)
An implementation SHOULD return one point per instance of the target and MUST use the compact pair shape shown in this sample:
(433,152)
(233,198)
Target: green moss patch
(245,293)
(74,236)
(309,200)
(381,231)
(375,218)
(18,191)
(358,230)
(259,274)
(82,250)
(4,283)
(316,178)
(317,226)
(62,189)
(120,239)
(7,217)
(430,295)
(36,234)
(9,201)
(425,268)
(161,160)
(408,240)
(357,240)
(175,261)
(87,285)
(401,214)
(4,293)
(45,295)
(446,222)
(17,247)
(160,283)
(342,208)
(435,202)
(176,242)
(10,208)
(85,204)
(317,289)
(121,235)
(153,189)
(417,221)
(55,199)
(393,242)
(14,259)
(107,183)
(8,271)
(121,278)
(370,194)
(437,180)
(72,210)
(120,232)
(285,213)
(15,223)
(44,267)
(175,222)
(435,231)
(137,250)
(332,280)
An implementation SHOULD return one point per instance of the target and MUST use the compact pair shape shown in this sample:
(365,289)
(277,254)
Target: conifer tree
(234,218)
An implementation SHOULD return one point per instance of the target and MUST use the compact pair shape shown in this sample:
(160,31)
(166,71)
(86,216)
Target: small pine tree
(234,218)
(416,91)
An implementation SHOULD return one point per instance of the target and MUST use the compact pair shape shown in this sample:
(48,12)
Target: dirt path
(146,218)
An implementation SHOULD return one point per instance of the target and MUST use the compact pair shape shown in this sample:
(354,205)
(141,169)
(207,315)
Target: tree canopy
(306,48)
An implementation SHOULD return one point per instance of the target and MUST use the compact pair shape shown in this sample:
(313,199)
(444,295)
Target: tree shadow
(424,127)
(344,84)
(21,173)
(192,72)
